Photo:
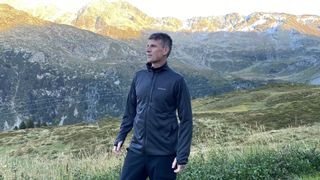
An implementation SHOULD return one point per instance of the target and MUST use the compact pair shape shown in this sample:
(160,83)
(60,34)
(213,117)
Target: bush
(255,164)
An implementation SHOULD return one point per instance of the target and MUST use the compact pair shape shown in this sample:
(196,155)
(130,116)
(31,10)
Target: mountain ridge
(122,20)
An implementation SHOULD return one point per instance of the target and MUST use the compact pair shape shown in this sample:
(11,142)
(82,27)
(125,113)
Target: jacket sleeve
(185,127)
(129,114)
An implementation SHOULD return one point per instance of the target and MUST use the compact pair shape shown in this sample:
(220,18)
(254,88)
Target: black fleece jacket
(155,97)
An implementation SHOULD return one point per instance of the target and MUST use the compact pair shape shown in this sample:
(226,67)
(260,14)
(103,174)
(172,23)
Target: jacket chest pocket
(161,93)
(163,90)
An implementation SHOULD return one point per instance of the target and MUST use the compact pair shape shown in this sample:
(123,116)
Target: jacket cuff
(182,161)
(117,141)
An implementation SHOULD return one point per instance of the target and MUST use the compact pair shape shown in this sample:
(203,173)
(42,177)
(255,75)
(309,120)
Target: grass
(254,163)
(62,167)
(315,176)
(274,107)
(268,133)
(64,139)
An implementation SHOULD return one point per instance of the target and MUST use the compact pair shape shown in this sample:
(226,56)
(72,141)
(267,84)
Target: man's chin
(150,61)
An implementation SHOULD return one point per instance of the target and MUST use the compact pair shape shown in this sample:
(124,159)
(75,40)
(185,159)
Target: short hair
(164,38)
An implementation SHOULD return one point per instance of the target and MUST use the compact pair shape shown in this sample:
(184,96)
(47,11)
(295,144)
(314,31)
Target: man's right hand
(117,149)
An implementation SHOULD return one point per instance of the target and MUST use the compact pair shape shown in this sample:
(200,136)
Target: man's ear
(165,50)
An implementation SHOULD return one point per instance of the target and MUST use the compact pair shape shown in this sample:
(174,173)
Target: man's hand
(179,167)
(117,149)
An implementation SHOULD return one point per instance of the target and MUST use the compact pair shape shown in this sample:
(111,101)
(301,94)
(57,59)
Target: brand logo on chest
(162,89)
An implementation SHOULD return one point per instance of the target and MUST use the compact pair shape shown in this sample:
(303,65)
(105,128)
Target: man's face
(155,51)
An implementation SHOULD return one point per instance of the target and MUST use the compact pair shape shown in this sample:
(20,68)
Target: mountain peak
(4,7)
(117,19)
(10,18)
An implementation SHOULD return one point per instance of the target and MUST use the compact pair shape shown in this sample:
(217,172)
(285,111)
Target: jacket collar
(159,69)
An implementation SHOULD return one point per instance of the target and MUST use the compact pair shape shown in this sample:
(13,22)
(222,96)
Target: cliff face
(60,74)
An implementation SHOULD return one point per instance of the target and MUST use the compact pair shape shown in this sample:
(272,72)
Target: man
(160,147)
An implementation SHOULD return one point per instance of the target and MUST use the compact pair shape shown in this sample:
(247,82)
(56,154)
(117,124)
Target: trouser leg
(134,167)
(159,168)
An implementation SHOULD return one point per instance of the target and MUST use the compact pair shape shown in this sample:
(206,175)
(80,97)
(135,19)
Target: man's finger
(174,163)
(119,145)
(117,148)
(179,168)
(114,149)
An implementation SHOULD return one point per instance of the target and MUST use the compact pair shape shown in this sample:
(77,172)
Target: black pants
(139,167)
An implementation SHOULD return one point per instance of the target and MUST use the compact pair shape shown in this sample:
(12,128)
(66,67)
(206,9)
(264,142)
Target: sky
(184,9)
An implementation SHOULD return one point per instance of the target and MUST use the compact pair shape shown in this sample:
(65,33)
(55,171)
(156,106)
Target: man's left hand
(179,166)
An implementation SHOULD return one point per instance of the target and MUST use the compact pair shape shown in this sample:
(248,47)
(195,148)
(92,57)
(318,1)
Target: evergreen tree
(22,125)
(30,123)
(38,124)
(44,124)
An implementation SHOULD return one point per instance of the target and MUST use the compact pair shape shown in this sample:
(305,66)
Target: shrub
(255,164)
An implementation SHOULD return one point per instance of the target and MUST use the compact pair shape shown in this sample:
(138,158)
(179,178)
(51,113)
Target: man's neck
(158,64)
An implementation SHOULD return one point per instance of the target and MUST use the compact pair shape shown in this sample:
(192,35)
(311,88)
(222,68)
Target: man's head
(164,38)
(158,47)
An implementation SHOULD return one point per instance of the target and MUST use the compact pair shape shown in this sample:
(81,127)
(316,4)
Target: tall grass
(251,162)
(86,166)
(219,151)
(254,163)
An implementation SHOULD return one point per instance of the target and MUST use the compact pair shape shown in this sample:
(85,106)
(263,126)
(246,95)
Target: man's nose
(148,49)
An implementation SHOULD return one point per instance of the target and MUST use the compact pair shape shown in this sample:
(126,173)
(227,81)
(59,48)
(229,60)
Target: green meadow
(267,133)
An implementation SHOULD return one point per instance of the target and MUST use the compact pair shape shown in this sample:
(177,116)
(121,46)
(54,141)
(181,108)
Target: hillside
(46,69)
(274,109)
(270,117)
(275,106)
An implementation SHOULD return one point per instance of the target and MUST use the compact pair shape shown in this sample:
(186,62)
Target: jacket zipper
(148,108)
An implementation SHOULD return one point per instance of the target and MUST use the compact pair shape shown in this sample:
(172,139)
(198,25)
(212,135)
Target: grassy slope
(271,116)
(53,140)
(274,107)
(266,121)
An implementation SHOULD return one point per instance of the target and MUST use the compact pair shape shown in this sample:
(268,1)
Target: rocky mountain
(281,55)
(62,74)
(256,22)
(10,18)
(119,19)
